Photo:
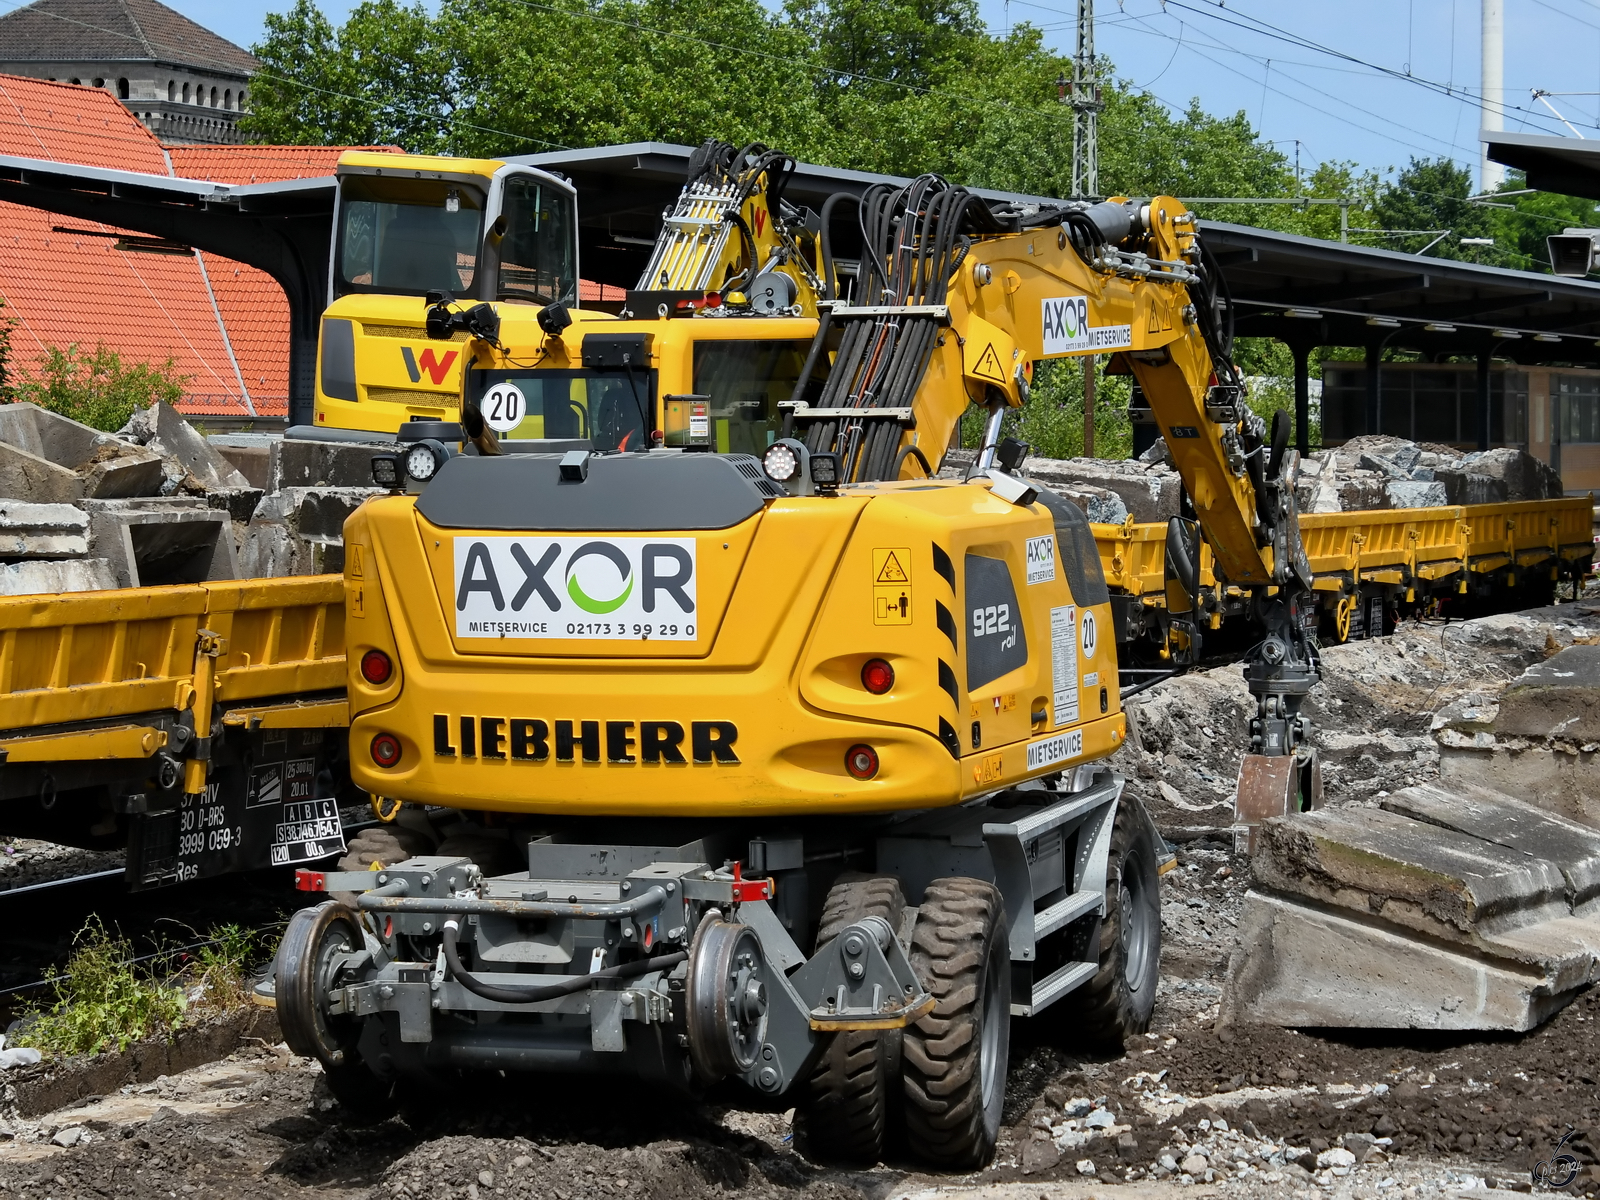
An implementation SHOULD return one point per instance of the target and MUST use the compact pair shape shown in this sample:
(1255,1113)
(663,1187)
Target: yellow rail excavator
(772,757)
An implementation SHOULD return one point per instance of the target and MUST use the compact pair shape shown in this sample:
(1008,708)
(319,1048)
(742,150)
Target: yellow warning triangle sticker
(892,571)
(989,365)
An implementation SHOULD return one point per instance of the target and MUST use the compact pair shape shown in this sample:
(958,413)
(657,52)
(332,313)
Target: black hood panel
(624,493)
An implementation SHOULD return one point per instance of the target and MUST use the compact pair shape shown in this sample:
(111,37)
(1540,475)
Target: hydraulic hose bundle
(914,239)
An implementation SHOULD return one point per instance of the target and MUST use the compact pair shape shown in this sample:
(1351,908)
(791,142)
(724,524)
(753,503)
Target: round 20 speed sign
(503,407)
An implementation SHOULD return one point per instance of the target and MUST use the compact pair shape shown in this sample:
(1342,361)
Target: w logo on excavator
(437,368)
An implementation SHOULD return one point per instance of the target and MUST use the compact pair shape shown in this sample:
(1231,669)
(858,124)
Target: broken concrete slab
(43,577)
(1558,698)
(1150,491)
(239,503)
(27,476)
(1413,493)
(1523,476)
(161,540)
(309,464)
(1100,505)
(1541,741)
(163,430)
(1368,917)
(1303,967)
(1573,849)
(1463,487)
(1437,881)
(300,531)
(42,530)
(253,455)
(105,465)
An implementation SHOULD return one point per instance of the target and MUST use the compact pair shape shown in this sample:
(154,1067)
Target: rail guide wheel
(315,948)
(727,1001)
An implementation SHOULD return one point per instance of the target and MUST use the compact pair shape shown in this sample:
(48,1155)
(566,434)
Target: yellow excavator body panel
(712,382)
(750,704)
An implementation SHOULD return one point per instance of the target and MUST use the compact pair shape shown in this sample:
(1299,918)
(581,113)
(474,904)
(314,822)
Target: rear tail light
(376,667)
(386,750)
(877,676)
(861,761)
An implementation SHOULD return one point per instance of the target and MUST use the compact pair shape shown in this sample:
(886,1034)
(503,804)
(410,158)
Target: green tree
(1428,203)
(1520,224)
(388,76)
(899,86)
(7,324)
(99,388)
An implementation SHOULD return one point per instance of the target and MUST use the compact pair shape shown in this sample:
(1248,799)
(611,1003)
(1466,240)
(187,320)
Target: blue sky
(1291,88)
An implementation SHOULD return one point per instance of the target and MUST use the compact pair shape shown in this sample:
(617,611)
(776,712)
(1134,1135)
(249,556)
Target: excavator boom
(957,302)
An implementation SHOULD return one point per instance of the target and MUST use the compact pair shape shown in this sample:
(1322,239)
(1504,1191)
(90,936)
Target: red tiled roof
(76,287)
(74,124)
(259,164)
(224,324)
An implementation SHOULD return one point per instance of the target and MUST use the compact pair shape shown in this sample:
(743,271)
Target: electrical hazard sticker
(891,586)
(989,366)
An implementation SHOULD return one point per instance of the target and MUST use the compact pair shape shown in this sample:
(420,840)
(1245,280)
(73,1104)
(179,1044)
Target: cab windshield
(609,408)
(537,236)
(744,382)
(407,236)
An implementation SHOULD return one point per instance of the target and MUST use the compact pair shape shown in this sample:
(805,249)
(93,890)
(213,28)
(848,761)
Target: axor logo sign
(573,587)
(1067,328)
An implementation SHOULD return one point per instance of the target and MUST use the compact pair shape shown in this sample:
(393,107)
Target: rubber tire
(962,954)
(1116,1004)
(384,845)
(842,1114)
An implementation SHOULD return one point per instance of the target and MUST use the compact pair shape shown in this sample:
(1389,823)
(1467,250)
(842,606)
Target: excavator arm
(731,240)
(957,300)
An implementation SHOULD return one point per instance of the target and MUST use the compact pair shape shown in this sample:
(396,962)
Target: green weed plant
(107,1000)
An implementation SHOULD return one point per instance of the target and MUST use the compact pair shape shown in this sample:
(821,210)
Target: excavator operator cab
(508,233)
(407,225)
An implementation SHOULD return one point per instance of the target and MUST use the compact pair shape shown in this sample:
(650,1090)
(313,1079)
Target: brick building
(183,82)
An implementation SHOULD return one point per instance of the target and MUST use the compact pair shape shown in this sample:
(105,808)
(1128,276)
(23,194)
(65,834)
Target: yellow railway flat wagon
(200,725)
(1367,563)
(1553,534)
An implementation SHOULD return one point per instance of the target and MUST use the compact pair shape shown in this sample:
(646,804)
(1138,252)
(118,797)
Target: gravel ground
(1187,1110)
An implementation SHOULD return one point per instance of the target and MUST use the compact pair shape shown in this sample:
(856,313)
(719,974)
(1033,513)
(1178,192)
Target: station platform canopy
(1303,291)
(1299,290)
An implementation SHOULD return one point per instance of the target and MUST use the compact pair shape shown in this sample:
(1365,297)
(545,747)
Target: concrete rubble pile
(158,502)
(1390,472)
(1368,472)
(1472,903)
